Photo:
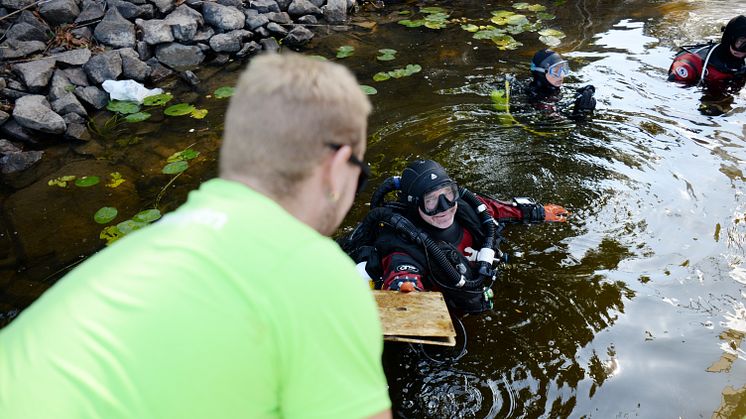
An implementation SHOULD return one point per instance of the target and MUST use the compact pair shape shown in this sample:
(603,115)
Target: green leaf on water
(175,167)
(137,117)
(157,100)
(517,20)
(521,6)
(515,30)
(105,214)
(412,69)
(110,234)
(412,23)
(61,181)
(504,42)
(430,10)
(552,32)
(345,51)
(179,109)
(318,57)
(198,113)
(537,8)
(386,54)
(470,27)
(405,12)
(545,16)
(128,226)
(435,25)
(502,13)
(123,107)
(368,90)
(382,76)
(183,155)
(550,41)
(147,216)
(87,181)
(224,92)
(488,34)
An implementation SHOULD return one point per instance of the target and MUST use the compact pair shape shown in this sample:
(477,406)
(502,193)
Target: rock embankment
(56,53)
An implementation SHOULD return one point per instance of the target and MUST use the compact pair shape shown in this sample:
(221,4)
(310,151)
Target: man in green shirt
(217,311)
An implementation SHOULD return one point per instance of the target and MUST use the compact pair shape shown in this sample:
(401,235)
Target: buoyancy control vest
(698,64)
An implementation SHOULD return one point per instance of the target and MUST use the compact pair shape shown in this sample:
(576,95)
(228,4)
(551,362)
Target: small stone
(257,21)
(18,162)
(34,112)
(93,96)
(264,6)
(223,17)
(78,132)
(159,72)
(73,118)
(13,94)
(68,104)
(303,7)
(35,74)
(14,131)
(3,117)
(281,18)
(6,147)
(23,31)
(270,45)
(184,22)
(189,77)
(249,48)
(82,33)
(225,42)
(276,29)
(335,11)
(115,31)
(102,67)
(262,32)
(308,20)
(164,6)
(16,49)
(221,59)
(299,36)
(155,31)
(60,85)
(76,76)
(132,67)
(178,56)
(59,12)
(92,11)
(78,56)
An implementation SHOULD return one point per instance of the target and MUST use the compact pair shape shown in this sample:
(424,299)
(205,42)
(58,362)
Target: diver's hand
(555,214)
(584,100)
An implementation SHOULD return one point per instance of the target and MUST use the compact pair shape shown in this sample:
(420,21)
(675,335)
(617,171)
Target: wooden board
(417,317)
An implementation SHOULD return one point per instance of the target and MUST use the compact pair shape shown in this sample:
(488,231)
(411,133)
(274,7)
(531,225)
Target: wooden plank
(418,317)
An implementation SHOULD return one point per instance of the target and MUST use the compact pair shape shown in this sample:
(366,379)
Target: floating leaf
(545,16)
(105,214)
(183,155)
(345,51)
(521,6)
(412,69)
(435,25)
(412,23)
(318,57)
(488,34)
(179,109)
(515,30)
(405,12)
(61,181)
(382,76)
(504,42)
(157,100)
(517,20)
(87,181)
(137,117)
(128,226)
(175,167)
(502,13)
(147,216)
(552,32)
(110,234)
(550,41)
(537,8)
(224,92)
(116,180)
(198,113)
(429,10)
(368,90)
(123,106)
(387,54)
(470,27)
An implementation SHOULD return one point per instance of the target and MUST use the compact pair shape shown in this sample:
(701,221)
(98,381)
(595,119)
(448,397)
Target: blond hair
(286,110)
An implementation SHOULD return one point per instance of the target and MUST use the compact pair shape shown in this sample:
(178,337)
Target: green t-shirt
(227,307)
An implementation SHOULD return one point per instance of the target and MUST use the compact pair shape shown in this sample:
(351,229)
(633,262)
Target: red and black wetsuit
(712,64)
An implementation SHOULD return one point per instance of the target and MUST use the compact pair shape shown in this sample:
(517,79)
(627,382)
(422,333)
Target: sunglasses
(362,180)
(559,69)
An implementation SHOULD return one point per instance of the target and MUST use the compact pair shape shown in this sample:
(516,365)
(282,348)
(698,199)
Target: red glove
(555,213)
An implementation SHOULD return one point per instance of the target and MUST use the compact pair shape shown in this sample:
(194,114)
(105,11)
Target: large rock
(93,96)
(132,67)
(204,34)
(130,10)
(68,104)
(254,21)
(29,17)
(184,22)
(159,71)
(264,6)
(78,132)
(16,49)
(23,31)
(18,162)
(16,4)
(227,42)
(35,74)
(59,12)
(284,4)
(303,7)
(155,31)
(308,20)
(106,66)
(164,6)
(3,117)
(318,3)
(179,56)
(282,18)
(299,36)
(270,45)
(335,11)
(11,129)
(249,48)
(76,76)
(276,29)
(34,112)
(226,18)
(115,31)
(92,10)
(60,85)
(6,147)
(77,56)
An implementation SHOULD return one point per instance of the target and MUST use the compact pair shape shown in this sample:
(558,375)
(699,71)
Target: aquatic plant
(368,90)
(345,51)
(386,54)
(398,73)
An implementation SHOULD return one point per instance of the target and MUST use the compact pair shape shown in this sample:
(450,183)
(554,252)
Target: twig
(24,8)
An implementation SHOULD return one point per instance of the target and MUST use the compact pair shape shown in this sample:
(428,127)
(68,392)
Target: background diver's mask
(557,69)
(440,199)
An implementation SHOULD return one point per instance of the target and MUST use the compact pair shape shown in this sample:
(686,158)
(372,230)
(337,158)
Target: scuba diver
(718,65)
(438,236)
(548,71)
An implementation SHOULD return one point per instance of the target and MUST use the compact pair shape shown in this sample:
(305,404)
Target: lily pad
(179,109)
(123,106)
(405,12)
(318,57)
(105,214)
(412,23)
(87,181)
(470,27)
(224,92)
(137,117)
(147,216)
(382,76)
(116,180)
(175,167)
(552,32)
(61,181)
(537,8)
(412,69)
(521,6)
(545,16)
(435,25)
(488,33)
(550,41)
(504,42)
(110,234)
(345,51)
(502,13)
(368,90)
(429,10)
(198,113)
(387,54)
(128,226)
(157,100)
(515,30)
(183,155)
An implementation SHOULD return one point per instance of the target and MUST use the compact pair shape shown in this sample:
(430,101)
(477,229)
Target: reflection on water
(633,308)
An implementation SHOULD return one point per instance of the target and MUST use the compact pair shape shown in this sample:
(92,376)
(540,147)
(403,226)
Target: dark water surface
(634,308)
